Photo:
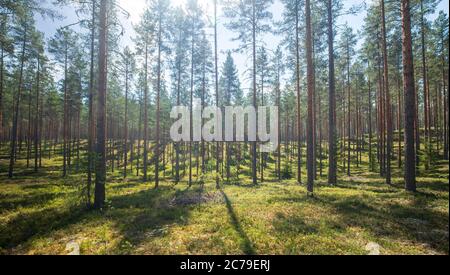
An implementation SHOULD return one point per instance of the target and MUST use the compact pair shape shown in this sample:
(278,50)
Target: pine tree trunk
(369,121)
(409,95)
(91,124)
(310,80)
(1,90)
(332,137)
(29,131)
(388,114)
(426,92)
(13,152)
(36,124)
(125,141)
(191,104)
(348,110)
(216,78)
(399,125)
(445,110)
(139,139)
(66,158)
(100,175)
(145,118)
(297,75)
(254,144)
(158,95)
(177,145)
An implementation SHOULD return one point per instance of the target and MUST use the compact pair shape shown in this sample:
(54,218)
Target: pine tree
(179,64)
(232,94)
(387,95)
(144,39)
(196,24)
(346,44)
(410,94)
(332,158)
(128,65)
(100,169)
(310,80)
(291,20)
(159,11)
(241,14)
(23,32)
(278,68)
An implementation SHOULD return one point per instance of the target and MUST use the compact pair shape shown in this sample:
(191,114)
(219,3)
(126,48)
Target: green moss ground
(41,213)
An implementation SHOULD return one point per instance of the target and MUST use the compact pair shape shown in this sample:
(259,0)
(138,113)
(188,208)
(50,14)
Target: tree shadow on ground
(148,214)
(245,245)
(10,202)
(240,184)
(27,225)
(416,221)
(292,225)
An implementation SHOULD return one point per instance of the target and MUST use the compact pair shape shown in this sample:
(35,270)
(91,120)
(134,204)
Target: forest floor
(41,214)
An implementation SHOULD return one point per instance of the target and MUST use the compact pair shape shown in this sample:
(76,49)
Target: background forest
(87,164)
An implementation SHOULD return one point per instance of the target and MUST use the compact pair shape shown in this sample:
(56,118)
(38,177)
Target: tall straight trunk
(66,158)
(387,97)
(399,124)
(310,80)
(3,24)
(69,137)
(445,109)
(1,90)
(437,116)
(21,138)
(29,131)
(100,173)
(358,130)
(279,125)
(254,153)
(36,124)
(440,126)
(297,75)
(191,103)
(444,102)
(426,104)
(139,138)
(377,122)
(202,106)
(314,105)
(319,125)
(132,145)
(177,145)
(381,116)
(261,163)
(16,111)
(348,110)
(41,125)
(158,95)
(342,126)
(369,121)
(417,128)
(125,141)
(91,124)
(216,86)
(409,95)
(78,137)
(332,158)
(286,136)
(145,118)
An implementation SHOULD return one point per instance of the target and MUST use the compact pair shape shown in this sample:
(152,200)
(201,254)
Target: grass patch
(40,214)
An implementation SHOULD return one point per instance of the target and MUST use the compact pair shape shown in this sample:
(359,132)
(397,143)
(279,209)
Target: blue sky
(136,7)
